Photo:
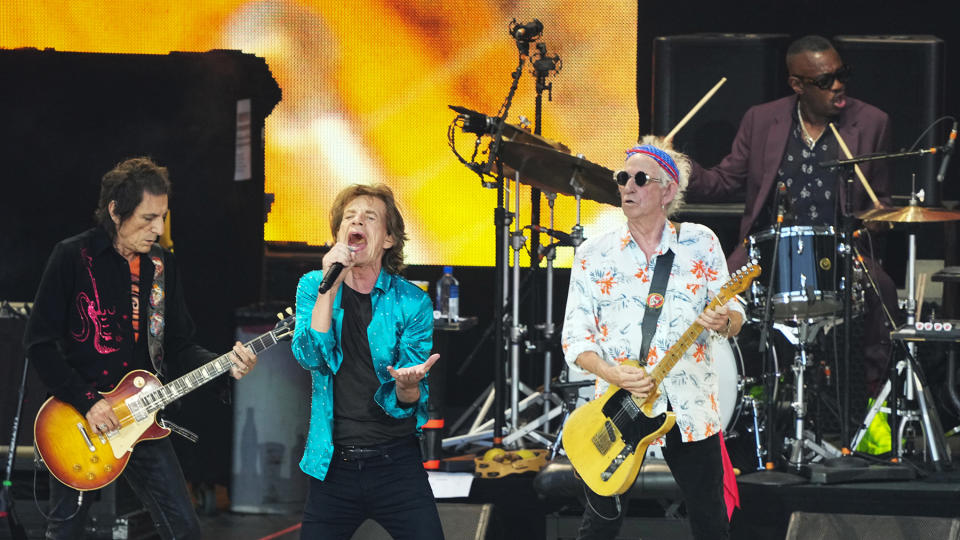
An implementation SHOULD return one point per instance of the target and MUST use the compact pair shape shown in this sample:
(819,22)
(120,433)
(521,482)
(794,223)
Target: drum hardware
(803,440)
(906,371)
(515,153)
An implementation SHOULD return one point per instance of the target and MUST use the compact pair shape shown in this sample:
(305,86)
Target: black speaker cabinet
(904,76)
(11,375)
(811,526)
(685,67)
(70,117)
(459,521)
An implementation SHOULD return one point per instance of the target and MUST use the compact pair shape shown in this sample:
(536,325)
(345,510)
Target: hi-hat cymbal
(909,214)
(552,170)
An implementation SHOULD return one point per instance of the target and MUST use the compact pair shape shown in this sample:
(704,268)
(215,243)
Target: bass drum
(728,363)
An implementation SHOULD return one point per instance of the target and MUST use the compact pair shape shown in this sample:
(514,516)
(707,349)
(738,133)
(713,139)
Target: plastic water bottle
(448,296)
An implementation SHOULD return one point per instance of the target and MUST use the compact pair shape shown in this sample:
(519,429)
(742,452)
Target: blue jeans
(155,476)
(391,489)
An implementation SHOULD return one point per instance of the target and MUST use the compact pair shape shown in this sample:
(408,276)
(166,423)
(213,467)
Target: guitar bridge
(617,461)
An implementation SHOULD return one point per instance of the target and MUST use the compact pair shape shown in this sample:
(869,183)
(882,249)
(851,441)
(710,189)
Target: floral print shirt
(609,284)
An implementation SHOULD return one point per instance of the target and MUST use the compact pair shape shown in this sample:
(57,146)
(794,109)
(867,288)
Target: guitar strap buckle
(179,430)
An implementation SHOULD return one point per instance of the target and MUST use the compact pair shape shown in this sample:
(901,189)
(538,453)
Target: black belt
(349,452)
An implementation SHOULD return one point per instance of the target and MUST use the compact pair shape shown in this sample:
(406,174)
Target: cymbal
(518,134)
(909,214)
(552,170)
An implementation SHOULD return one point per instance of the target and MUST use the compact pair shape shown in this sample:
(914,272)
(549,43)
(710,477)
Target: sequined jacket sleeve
(312,349)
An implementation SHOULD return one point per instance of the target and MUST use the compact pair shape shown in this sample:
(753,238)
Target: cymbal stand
(550,253)
(517,330)
(915,389)
(553,405)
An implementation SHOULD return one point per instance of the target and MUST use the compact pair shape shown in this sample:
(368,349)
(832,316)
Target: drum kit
(813,280)
(803,289)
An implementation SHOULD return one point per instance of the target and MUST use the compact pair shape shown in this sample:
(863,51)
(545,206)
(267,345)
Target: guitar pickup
(86,438)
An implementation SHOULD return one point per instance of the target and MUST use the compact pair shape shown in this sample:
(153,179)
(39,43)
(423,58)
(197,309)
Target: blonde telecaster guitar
(606,439)
(83,459)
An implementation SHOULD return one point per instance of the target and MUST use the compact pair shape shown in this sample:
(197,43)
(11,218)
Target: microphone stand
(7,507)
(880,157)
(542,67)
(847,254)
(502,220)
(770,374)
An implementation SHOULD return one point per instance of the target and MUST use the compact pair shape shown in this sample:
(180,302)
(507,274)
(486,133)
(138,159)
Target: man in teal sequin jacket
(365,340)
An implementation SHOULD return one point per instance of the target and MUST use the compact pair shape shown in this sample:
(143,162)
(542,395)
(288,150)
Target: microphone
(829,164)
(526,32)
(476,122)
(948,151)
(330,277)
(563,237)
(784,205)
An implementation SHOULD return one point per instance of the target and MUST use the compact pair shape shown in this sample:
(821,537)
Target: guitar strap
(655,298)
(610,508)
(155,321)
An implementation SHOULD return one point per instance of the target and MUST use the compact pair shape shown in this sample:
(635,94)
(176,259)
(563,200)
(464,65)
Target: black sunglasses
(641,178)
(825,81)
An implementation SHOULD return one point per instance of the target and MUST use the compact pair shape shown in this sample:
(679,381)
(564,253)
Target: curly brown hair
(392,258)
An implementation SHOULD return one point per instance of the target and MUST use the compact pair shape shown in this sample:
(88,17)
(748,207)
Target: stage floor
(518,513)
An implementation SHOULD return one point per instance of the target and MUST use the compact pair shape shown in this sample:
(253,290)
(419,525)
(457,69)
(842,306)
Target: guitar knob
(90,476)
(94,459)
(108,468)
(77,467)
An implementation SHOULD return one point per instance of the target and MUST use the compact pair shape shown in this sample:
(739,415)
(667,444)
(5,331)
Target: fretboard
(686,340)
(177,388)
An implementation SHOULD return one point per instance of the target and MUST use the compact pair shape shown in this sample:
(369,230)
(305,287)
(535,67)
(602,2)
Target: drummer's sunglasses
(825,81)
(641,178)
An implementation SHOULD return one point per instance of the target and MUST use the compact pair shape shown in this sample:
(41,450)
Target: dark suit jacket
(758,148)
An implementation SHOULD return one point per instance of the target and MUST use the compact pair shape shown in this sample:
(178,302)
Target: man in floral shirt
(609,291)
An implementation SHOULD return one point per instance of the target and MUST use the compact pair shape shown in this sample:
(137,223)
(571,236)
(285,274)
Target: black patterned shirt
(812,189)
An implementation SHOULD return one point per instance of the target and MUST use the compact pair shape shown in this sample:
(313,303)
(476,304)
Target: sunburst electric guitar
(83,459)
(606,439)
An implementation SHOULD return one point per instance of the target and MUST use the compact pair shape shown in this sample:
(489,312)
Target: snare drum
(807,274)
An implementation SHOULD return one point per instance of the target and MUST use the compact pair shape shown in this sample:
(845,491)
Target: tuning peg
(289,310)
(280,315)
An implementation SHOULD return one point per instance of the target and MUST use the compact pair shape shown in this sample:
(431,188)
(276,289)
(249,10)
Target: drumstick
(856,167)
(695,108)
(921,291)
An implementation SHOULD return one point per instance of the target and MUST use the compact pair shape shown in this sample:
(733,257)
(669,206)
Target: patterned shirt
(609,284)
(810,187)
(80,336)
(400,335)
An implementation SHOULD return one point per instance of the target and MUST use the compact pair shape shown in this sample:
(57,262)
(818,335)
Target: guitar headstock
(284,328)
(740,280)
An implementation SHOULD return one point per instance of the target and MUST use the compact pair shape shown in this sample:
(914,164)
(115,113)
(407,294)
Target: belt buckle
(356,454)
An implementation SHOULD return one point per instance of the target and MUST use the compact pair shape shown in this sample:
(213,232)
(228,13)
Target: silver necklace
(810,141)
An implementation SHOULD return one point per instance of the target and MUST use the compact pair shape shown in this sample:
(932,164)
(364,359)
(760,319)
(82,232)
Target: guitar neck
(177,388)
(675,353)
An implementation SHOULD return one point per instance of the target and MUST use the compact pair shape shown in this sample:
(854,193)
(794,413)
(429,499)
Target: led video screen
(366,85)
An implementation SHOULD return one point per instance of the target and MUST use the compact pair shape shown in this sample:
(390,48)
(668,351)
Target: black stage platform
(517,512)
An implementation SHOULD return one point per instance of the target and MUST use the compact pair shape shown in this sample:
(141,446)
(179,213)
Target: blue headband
(662,158)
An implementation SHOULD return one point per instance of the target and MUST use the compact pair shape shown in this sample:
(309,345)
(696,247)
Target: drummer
(785,141)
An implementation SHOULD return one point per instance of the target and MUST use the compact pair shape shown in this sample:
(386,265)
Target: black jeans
(697,468)
(155,476)
(391,489)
